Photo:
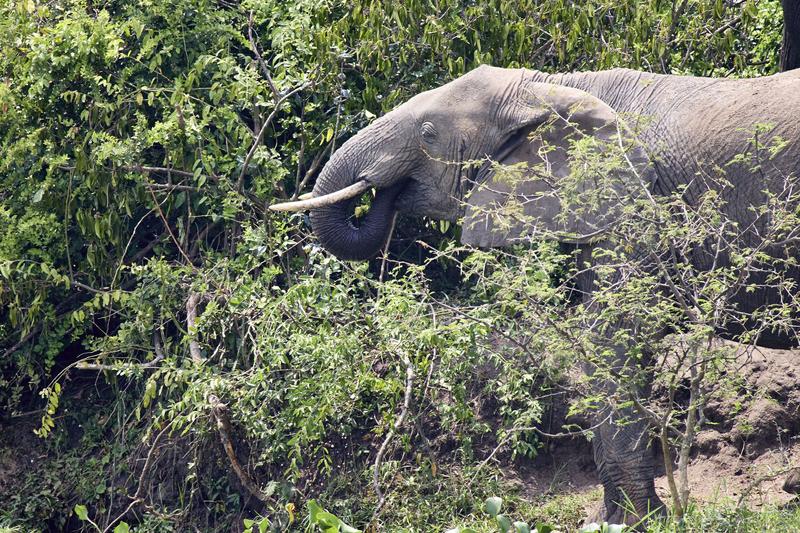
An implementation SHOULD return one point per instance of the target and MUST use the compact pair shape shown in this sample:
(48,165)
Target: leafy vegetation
(151,308)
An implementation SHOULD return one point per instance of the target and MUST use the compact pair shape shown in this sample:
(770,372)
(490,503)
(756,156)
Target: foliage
(134,244)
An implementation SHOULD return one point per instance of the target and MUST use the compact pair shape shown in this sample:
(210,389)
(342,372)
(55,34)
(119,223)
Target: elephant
(417,159)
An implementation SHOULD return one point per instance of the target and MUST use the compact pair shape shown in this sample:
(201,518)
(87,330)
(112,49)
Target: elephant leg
(626,467)
(623,453)
(622,448)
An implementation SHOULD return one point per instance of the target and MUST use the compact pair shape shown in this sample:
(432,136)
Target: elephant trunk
(335,225)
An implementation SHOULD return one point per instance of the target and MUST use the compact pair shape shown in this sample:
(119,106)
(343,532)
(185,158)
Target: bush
(139,146)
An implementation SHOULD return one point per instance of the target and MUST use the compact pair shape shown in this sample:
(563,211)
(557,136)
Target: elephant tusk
(306,196)
(315,202)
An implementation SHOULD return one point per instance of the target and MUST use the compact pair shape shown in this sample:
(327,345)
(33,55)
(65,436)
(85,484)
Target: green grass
(725,518)
(565,513)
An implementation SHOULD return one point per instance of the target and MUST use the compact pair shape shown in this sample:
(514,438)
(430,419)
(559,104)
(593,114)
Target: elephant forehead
(451,101)
(479,87)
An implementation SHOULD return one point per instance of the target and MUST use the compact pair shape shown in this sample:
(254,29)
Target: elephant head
(439,155)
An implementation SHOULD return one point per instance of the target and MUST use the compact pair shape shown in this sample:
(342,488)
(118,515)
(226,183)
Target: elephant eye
(428,132)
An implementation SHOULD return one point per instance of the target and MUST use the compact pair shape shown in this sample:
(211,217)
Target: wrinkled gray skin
(413,156)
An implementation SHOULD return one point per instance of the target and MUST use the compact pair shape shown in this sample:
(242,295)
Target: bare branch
(220,412)
(264,70)
(395,427)
(191,319)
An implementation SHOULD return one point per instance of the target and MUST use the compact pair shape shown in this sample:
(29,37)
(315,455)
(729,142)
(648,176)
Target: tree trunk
(790,51)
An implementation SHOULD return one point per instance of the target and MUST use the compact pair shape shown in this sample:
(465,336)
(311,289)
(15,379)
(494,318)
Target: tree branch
(220,412)
(260,135)
(191,319)
(264,70)
(395,427)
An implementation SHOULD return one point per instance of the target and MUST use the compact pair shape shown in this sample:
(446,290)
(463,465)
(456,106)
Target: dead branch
(220,412)
(758,481)
(137,497)
(264,70)
(191,319)
(395,427)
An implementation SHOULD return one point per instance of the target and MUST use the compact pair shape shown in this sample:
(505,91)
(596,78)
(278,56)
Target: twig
(137,497)
(260,135)
(87,287)
(264,70)
(169,229)
(540,432)
(22,341)
(157,348)
(220,412)
(315,165)
(486,323)
(198,240)
(147,248)
(171,187)
(758,481)
(385,254)
(151,169)
(396,426)
(191,319)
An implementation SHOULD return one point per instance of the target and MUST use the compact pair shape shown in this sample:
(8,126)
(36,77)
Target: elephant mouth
(355,222)
(360,207)
(420,198)
(358,226)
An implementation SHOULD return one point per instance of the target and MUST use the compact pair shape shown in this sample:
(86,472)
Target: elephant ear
(566,172)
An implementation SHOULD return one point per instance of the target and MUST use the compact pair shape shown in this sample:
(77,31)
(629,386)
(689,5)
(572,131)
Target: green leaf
(313,510)
(503,522)
(327,520)
(81,512)
(523,527)
(492,505)
(122,527)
